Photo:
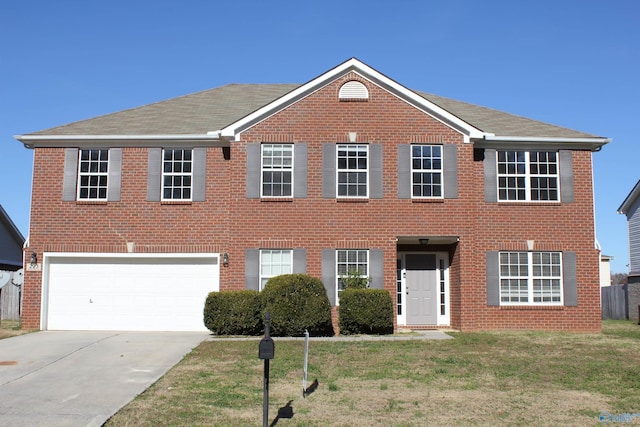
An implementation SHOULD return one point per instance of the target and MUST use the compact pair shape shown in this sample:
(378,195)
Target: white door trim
(442,272)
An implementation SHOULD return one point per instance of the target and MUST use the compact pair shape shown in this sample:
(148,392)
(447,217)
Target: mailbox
(266,349)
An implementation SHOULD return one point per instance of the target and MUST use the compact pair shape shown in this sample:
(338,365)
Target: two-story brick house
(470,217)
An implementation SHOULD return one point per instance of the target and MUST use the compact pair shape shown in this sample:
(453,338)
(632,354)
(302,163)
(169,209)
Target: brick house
(471,218)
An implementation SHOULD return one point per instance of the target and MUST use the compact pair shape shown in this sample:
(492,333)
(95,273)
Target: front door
(421,289)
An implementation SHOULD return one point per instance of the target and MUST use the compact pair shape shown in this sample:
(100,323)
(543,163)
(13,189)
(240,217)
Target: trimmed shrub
(234,313)
(297,302)
(365,311)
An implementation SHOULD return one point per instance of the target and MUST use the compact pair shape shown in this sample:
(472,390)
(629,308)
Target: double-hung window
(353,170)
(93,173)
(274,262)
(532,278)
(426,171)
(177,174)
(277,170)
(351,262)
(528,176)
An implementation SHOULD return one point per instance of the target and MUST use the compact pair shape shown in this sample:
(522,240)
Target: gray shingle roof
(213,109)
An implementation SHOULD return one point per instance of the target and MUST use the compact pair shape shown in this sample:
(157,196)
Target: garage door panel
(120,293)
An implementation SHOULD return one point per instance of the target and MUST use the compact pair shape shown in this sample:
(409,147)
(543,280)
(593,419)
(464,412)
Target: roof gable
(630,200)
(11,241)
(352,65)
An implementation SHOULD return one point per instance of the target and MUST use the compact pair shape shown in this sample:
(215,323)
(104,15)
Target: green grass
(498,378)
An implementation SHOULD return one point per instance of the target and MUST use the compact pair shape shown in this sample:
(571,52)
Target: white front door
(423,289)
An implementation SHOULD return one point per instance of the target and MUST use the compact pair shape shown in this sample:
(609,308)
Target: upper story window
(274,262)
(93,173)
(277,170)
(530,278)
(353,170)
(528,176)
(426,171)
(351,262)
(176,174)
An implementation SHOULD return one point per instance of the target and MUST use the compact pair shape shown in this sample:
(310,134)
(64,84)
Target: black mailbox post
(266,352)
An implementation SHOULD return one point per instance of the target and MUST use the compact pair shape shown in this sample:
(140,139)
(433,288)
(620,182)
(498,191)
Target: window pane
(92,174)
(176,177)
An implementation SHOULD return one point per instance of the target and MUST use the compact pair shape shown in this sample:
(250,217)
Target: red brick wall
(229,222)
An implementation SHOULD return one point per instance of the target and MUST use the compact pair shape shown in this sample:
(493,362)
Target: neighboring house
(11,242)
(470,217)
(605,270)
(630,207)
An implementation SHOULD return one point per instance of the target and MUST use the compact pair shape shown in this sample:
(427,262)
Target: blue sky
(574,63)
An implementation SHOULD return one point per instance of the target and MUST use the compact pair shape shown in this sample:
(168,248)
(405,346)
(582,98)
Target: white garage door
(128,292)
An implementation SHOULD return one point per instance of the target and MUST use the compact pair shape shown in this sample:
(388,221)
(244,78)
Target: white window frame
(283,168)
(281,266)
(340,272)
(529,277)
(526,175)
(93,174)
(172,174)
(433,171)
(352,148)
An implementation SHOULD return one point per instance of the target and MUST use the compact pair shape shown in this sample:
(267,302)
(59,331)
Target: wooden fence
(615,302)
(9,302)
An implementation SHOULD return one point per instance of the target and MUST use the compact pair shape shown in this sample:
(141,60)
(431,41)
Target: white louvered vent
(353,90)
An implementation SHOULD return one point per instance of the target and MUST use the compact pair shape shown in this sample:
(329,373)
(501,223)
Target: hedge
(365,311)
(297,302)
(234,313)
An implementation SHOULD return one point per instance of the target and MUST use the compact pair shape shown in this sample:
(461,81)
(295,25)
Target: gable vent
(353,90)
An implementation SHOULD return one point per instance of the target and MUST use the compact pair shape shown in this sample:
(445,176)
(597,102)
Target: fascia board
(630,199)
(33,141)
(232,130)
(493,141)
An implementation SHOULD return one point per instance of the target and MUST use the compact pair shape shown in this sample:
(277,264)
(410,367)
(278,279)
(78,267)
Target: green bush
(365,311)
(234,313)
(297,302)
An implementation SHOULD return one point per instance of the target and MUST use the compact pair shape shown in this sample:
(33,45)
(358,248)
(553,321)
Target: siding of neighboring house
(633,215)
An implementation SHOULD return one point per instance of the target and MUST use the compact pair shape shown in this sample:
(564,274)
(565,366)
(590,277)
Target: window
(274,262)
(93,172)
(349,262)
(528,176)
(353,170)
(426,171)
(530,278)
(176,174)
(277,170)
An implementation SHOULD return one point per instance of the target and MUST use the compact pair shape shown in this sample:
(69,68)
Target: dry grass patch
(502,378)
(11,328)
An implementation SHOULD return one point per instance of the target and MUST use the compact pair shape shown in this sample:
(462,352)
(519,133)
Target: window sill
(276,199)
(352,200)
(532,307)
(91,202)
(529,203)
(434,200)
(176,202)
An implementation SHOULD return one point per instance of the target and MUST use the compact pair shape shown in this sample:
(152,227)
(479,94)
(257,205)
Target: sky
(573,63)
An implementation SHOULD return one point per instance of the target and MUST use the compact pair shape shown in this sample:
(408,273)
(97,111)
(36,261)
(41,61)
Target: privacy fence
(615,302)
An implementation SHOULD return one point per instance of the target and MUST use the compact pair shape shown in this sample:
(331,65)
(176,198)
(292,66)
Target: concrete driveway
(81,378)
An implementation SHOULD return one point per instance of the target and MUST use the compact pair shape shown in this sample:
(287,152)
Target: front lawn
(491,378)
